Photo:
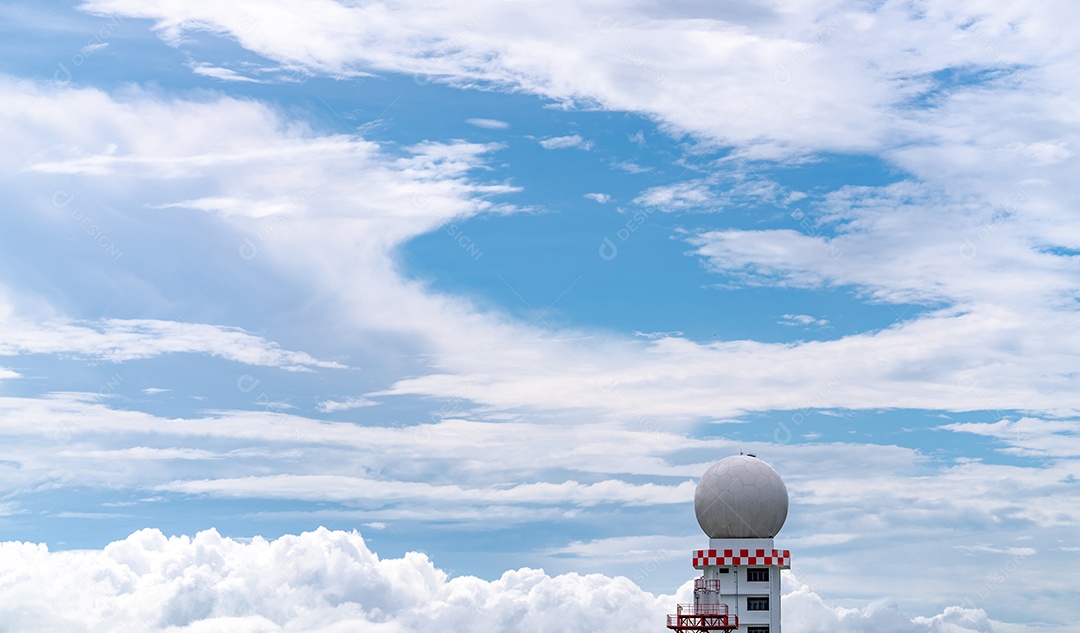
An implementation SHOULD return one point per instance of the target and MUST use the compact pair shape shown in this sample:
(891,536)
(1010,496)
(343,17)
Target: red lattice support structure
(712,617)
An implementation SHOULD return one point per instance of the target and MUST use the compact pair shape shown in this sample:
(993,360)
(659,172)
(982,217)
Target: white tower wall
(738,565)
(730,561)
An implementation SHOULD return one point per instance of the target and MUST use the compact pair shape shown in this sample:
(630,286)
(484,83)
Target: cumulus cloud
(317,581)
(804,611)
(601,198)
(330,581)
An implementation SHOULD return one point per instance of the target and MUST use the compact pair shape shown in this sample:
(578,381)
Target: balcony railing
(702,617)
(702,609)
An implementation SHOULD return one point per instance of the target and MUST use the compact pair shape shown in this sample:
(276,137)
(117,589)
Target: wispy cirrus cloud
(120,340)
(348,404)
(224,74)
(489,124)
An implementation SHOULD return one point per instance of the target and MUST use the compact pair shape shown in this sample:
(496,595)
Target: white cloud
(939,247)
(676,197)
(143,453)
(84,441)
(329,581)
(980,238)
(317,581)
(90,49)
(224,74)
(849,501)
(566,142)
(1042,152)
(983,259)
(804,611)
(987,549)
(307,200)
(706,75)
(824,76)
(802,320)
(151,391)
(338,488)
(632,168)
(331,406)
(771,257)
(124,340)
(601,198)
(489,124)
(728,186)
(657,335)
(1029,436)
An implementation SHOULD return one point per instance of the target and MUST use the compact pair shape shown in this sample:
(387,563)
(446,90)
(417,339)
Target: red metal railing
(702,617)
(702,609)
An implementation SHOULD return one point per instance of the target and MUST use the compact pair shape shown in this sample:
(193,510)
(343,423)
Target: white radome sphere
(741,497)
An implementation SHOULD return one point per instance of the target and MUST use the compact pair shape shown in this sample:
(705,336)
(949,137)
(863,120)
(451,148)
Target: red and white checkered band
(729,557)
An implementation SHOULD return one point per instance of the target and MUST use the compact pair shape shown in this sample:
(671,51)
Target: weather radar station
(741,503)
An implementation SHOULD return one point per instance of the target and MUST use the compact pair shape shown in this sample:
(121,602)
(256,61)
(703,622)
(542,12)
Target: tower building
(741,503)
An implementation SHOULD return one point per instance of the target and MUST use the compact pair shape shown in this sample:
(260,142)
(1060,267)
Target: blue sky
(497,283)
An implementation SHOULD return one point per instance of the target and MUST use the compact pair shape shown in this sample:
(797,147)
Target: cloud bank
(330,581)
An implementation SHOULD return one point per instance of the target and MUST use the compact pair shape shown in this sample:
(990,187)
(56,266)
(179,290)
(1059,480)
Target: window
(723,570)
(757,574)
(757,629)
(758,603)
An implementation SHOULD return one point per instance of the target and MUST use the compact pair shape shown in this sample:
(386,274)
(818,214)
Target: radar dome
(741,497)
